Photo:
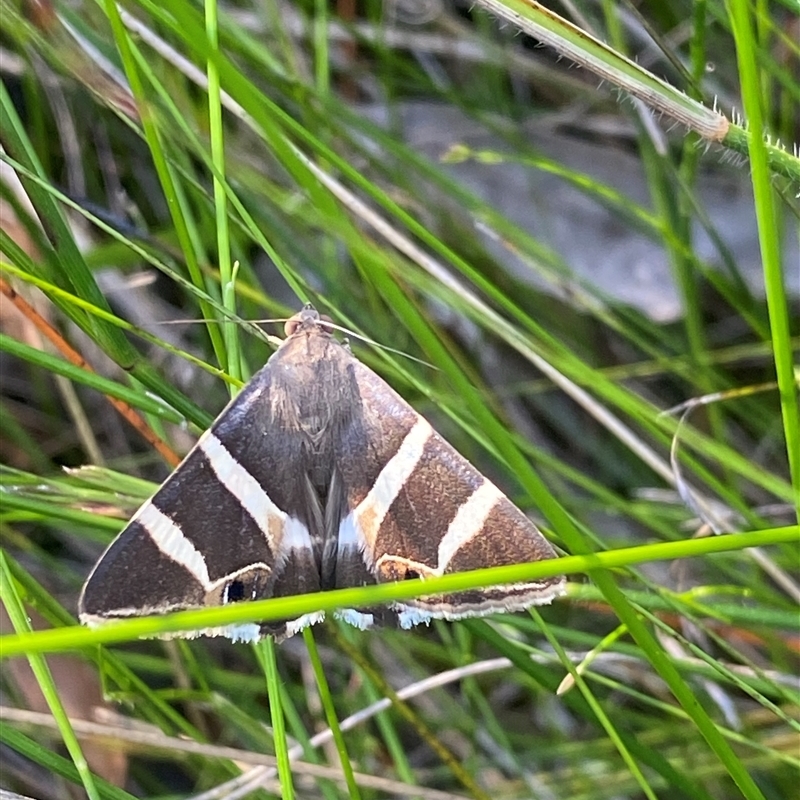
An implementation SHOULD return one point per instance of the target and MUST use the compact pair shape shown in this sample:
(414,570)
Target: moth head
(306,319)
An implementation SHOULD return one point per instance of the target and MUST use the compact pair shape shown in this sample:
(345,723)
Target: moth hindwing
(316,476)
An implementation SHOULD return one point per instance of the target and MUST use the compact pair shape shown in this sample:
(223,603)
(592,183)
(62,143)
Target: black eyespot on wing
(234,591)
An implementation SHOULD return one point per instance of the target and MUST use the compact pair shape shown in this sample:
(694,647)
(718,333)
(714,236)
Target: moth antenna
(373,343)
(251,325)
(276,320)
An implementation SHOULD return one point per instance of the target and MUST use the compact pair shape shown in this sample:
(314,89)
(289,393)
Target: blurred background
(571,238)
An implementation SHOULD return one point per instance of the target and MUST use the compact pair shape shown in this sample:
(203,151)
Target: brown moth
(317,476)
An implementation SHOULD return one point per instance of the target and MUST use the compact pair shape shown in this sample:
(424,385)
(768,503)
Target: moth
(317,476)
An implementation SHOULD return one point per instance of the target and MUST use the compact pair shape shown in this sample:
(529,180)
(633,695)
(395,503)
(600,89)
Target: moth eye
(234,592)
(292,324)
